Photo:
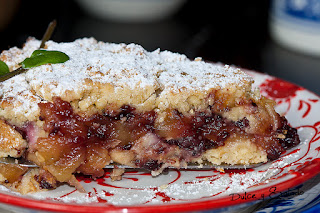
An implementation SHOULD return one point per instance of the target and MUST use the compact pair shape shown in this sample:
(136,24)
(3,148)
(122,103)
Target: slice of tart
(118,103)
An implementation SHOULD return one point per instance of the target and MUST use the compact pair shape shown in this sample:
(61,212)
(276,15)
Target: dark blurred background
(231,32)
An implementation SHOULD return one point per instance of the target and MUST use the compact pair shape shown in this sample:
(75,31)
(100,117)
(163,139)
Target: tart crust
(11,141)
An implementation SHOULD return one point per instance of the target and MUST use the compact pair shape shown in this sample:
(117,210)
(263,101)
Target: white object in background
(131,10)
(295,24)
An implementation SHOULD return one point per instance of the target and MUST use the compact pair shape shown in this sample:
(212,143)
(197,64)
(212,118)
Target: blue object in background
(304,9)
(295,24)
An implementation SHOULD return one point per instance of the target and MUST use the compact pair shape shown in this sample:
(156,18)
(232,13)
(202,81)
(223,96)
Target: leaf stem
(11,74)
(47,35)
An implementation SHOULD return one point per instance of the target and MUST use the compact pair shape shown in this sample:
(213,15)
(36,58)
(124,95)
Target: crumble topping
(128,73)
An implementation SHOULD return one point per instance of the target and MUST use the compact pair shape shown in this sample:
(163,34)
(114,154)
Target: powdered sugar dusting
(120,65)
(18,92)
(125,65)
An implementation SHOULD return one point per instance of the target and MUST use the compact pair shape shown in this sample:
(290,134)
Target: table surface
(231,33)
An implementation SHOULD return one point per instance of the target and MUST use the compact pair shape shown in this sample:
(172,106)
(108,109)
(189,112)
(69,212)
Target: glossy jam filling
(82,144)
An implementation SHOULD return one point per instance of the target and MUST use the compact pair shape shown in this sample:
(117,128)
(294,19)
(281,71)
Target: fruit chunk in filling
(76,143)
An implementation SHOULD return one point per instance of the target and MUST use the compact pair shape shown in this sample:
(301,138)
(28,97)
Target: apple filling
(75,143)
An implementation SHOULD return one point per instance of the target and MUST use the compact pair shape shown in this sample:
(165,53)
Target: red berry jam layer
(85,144)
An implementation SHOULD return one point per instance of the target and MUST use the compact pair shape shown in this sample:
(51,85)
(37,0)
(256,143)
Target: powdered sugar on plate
(185,186)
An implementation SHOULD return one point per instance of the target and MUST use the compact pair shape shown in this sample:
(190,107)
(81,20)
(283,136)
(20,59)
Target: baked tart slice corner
(118,103)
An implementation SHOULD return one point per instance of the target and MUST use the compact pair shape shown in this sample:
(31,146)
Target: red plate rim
(308,171)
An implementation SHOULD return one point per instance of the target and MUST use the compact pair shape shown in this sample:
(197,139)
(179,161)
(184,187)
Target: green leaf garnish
(4,69)
(40,57)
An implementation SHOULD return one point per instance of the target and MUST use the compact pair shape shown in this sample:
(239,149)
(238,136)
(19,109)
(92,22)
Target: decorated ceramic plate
(191,190)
